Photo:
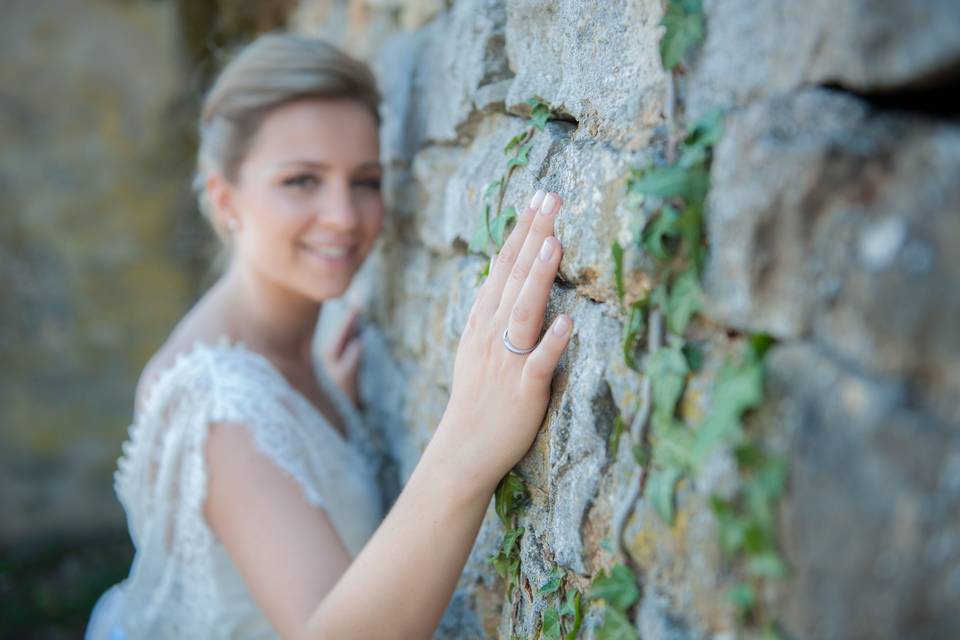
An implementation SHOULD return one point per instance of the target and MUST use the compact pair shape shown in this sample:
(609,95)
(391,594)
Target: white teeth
(331,252)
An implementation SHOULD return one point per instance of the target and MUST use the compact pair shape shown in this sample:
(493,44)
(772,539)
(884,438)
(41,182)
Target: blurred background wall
(101,252)
(833,226)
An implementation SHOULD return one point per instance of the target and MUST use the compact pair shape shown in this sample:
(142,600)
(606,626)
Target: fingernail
(537,199)
(550,203)
(561,325)
(546,250)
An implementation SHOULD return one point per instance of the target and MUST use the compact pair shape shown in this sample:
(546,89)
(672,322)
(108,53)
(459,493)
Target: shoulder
(202,337)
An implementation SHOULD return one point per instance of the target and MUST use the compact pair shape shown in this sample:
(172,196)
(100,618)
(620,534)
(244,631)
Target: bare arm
(402,580)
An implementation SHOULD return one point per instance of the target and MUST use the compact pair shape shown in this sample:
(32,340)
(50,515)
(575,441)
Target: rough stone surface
(835,223)
(832,224)
(760,49)
(872,518)
(599,66)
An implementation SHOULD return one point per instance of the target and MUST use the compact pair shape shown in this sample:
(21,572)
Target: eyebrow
(323,165)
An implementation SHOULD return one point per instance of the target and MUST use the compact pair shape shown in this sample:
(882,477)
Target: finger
(351,355)
(542,362)
(541,227)
(526,319)
(345,333)
(503,261)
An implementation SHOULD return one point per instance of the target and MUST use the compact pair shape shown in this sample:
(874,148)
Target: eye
(302,181)
(373,183)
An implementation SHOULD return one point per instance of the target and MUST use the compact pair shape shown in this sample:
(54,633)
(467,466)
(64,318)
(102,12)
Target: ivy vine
(495,222)
(667,449)
(511,498)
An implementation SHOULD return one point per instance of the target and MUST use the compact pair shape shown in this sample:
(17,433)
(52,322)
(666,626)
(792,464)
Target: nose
(335,208)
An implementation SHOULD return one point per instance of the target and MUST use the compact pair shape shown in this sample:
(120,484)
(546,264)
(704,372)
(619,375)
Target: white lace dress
(186,586)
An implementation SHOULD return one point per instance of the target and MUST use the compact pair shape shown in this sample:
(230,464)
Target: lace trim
(161,471)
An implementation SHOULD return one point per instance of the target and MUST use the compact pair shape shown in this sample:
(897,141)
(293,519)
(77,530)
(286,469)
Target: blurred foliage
(47,590)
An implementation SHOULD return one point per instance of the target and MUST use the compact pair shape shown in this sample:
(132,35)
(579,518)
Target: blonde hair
(274,69)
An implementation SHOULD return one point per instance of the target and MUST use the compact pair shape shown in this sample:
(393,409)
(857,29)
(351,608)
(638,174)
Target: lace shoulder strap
(161,478)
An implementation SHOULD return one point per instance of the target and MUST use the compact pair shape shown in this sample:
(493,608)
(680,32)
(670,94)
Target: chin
(325,290)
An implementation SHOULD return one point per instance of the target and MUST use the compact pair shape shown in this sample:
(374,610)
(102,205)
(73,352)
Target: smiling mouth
(337,254)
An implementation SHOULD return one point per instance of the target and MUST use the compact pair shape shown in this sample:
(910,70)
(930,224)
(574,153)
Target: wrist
(459,469)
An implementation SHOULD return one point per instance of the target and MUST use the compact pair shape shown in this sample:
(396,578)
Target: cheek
(373,222)
(276,223)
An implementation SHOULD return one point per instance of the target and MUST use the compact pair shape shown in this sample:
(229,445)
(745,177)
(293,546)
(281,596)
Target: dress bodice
(182,582)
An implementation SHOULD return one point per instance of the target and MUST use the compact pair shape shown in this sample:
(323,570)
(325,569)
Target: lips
(330,253)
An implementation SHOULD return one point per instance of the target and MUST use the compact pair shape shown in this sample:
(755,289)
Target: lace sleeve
(162,481)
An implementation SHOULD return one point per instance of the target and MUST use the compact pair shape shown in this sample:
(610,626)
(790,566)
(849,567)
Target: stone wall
(101,243)
(833,227)
(96,247)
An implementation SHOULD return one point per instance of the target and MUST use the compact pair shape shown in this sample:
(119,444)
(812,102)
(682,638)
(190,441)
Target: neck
(268,316)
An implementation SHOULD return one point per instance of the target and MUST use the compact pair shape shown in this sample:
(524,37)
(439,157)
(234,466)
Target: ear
(221,196)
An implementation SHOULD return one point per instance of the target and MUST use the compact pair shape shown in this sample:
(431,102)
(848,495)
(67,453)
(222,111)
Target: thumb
(344,333)
(351,354)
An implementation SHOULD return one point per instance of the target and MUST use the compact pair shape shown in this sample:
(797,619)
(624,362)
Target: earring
(231,224)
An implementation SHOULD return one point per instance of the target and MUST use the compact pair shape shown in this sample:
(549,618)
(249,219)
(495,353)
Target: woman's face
(307,201)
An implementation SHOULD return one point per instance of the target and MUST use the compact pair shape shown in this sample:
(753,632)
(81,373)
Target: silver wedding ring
(510,347)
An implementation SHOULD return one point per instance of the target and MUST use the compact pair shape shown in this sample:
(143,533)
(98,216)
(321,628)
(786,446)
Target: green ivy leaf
(674,182)
(510,497)
(481,235)
(614,441)
(511,539)
(660,487)
(737,388)
(506,561)
(665,225)
(520,159)
(706,131)
(573,607)
(514,141)
(694,356)
(686,298)
(551,624)
(617,252)
(483,272)
(632,331)
(685,28)
(668,373)
(690,224)
(492,188)
(759,344)
(731,528)
(553,583)
(742,596)
(618,589)
(616,626)
(641,454)
(499,228)
(766,565)
(539,116)
(672,442)
(770,632)
(771,477)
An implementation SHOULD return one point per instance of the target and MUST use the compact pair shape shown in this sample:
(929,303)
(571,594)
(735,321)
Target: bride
(251,510)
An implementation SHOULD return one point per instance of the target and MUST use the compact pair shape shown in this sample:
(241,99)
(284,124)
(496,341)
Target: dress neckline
(222,341)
